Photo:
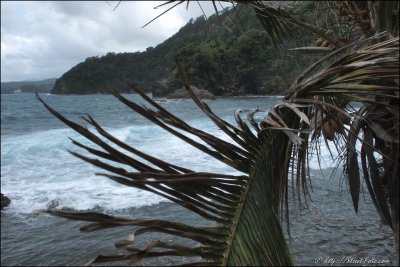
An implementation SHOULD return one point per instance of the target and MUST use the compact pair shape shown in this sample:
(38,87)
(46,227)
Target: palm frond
(227,200)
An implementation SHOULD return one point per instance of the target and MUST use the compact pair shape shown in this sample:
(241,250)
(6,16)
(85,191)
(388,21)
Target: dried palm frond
(369,77)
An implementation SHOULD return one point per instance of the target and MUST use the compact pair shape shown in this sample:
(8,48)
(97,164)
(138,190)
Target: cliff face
(226,54)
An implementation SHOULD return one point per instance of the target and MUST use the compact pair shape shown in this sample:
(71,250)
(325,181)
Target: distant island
(221,55)
(43,86)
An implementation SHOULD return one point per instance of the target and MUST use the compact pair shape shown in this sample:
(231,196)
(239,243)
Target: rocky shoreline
(161,90)
(183,94)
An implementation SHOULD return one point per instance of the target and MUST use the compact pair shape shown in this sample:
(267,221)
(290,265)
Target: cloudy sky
(41,40)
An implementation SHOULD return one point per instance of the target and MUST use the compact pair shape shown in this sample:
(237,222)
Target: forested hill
(226,54)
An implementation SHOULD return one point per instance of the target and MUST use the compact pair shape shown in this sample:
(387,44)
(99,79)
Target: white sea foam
(37,169)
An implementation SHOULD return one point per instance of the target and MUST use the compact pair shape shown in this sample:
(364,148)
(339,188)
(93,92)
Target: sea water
(37,171)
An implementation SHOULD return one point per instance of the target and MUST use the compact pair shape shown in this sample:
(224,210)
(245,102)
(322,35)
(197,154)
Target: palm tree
(360,67)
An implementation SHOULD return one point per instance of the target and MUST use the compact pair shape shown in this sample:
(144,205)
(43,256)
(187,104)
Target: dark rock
(54,204)
(183,94)
(5,201)
(160,88)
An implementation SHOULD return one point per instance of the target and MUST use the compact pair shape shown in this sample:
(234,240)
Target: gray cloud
(45,39)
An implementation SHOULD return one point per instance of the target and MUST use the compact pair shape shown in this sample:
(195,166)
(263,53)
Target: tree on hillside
(348,98)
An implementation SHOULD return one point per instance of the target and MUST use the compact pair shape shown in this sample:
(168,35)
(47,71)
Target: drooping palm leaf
(245,208)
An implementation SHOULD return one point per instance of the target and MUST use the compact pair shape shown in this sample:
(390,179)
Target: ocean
(37,172)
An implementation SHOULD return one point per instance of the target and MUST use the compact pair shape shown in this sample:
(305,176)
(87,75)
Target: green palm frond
(244,208)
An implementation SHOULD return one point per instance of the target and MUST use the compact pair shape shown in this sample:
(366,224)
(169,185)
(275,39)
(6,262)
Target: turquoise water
(37,171)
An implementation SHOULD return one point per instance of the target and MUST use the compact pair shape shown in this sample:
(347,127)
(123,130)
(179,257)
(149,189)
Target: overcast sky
(41,40)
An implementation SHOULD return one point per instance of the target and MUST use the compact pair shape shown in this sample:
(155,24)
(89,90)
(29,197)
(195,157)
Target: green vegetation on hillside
(229,53)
